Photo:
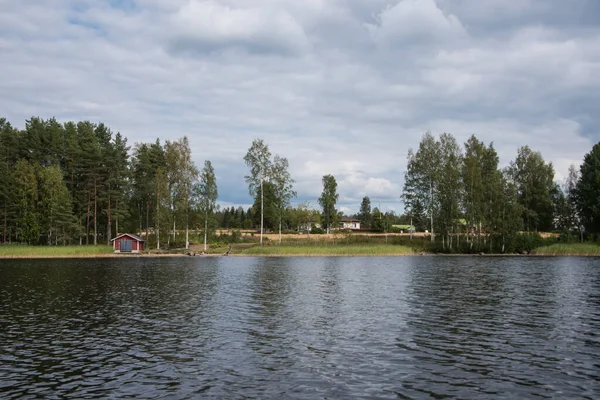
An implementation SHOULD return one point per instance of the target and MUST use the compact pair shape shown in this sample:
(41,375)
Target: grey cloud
(413,22)
(324,93)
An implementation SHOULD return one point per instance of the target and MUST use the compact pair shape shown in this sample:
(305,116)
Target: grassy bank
(20,251)
(569,249)
(351,250)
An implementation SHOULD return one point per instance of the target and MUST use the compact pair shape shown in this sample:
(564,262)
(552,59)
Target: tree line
(461,192)
(79,182)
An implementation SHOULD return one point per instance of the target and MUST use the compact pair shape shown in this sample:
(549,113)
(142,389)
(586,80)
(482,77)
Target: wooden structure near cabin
(128,243)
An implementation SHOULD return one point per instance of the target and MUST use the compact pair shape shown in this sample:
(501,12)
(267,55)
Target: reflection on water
(412,327)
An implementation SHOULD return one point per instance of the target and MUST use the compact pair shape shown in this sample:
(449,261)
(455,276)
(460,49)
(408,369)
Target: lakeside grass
(568,249)
(342,250)
(23,251)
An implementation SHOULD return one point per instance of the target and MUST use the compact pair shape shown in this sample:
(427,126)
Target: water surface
(304,328)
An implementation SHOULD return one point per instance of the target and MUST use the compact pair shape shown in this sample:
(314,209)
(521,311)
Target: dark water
(313,328)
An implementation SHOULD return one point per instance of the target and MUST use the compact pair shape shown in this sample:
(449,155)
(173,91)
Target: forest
(82,183)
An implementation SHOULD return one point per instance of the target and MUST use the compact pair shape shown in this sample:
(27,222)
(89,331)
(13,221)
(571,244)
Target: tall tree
(422,178)
(328,199)
(587,191)
(511,221)
(474,183)
(25,193)
(365,212)
(449,187)
(55,206)
(119,180)
(188,177)
(534,180)
(173,158)
(283,186)
(570,189)
(207,193)
(162,201)
(258,159)
(91,161)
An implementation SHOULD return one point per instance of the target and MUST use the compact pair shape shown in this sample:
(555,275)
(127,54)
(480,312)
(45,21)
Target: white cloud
(415,21)
(206,25)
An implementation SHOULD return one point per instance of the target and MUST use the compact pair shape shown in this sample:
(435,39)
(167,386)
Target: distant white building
(350,223)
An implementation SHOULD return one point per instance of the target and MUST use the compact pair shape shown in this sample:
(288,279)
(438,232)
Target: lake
(302,328)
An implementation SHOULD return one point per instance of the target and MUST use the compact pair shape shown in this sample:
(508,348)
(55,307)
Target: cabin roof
(139,239)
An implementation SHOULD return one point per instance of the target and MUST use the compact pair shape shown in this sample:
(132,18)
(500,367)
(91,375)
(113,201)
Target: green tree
(188,177)
(25,195)
(587,191)
(174,167)
(270,214)
(258,159)
(365,212)
(162,202)
(207,194)
(328,199)
(422,178)
(512,211)
(449,187)
(55,206)
(118,183)
(283,186)
(572,209)
(474,183)
(534,180)
(91,165)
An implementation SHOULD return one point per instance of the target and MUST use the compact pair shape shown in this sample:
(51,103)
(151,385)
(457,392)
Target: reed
(8,251)
(569,249)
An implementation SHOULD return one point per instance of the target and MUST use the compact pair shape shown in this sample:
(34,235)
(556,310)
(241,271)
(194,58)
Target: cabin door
(126,245)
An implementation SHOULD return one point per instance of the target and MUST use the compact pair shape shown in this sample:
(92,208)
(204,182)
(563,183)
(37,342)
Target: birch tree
(188,176)
(258,159)
(207,194)
(450,192)
(422,178)
(283,185)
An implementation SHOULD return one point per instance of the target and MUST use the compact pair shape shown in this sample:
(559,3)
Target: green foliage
(587,191)
(364,214)
(534,180)
(25,195)
(206,194)
(328,199)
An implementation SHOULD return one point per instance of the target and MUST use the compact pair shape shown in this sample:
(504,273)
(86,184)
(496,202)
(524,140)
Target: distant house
(128,243)
(349,223)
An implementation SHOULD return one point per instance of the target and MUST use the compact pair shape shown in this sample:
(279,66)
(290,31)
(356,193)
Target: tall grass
(52,251)
(311,250)
(569,249)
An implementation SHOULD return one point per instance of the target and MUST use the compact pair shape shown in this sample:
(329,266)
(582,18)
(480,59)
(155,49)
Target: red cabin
(128,243)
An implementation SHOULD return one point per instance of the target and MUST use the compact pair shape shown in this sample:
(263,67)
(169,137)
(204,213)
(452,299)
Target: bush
(317,231)
(234,237)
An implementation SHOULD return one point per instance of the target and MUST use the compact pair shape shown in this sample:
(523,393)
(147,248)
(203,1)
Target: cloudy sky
(342,87)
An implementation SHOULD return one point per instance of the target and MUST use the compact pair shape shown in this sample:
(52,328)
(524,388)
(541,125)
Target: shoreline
(137,256)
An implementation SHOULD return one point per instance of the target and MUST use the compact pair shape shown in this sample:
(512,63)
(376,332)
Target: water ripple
(373,328)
